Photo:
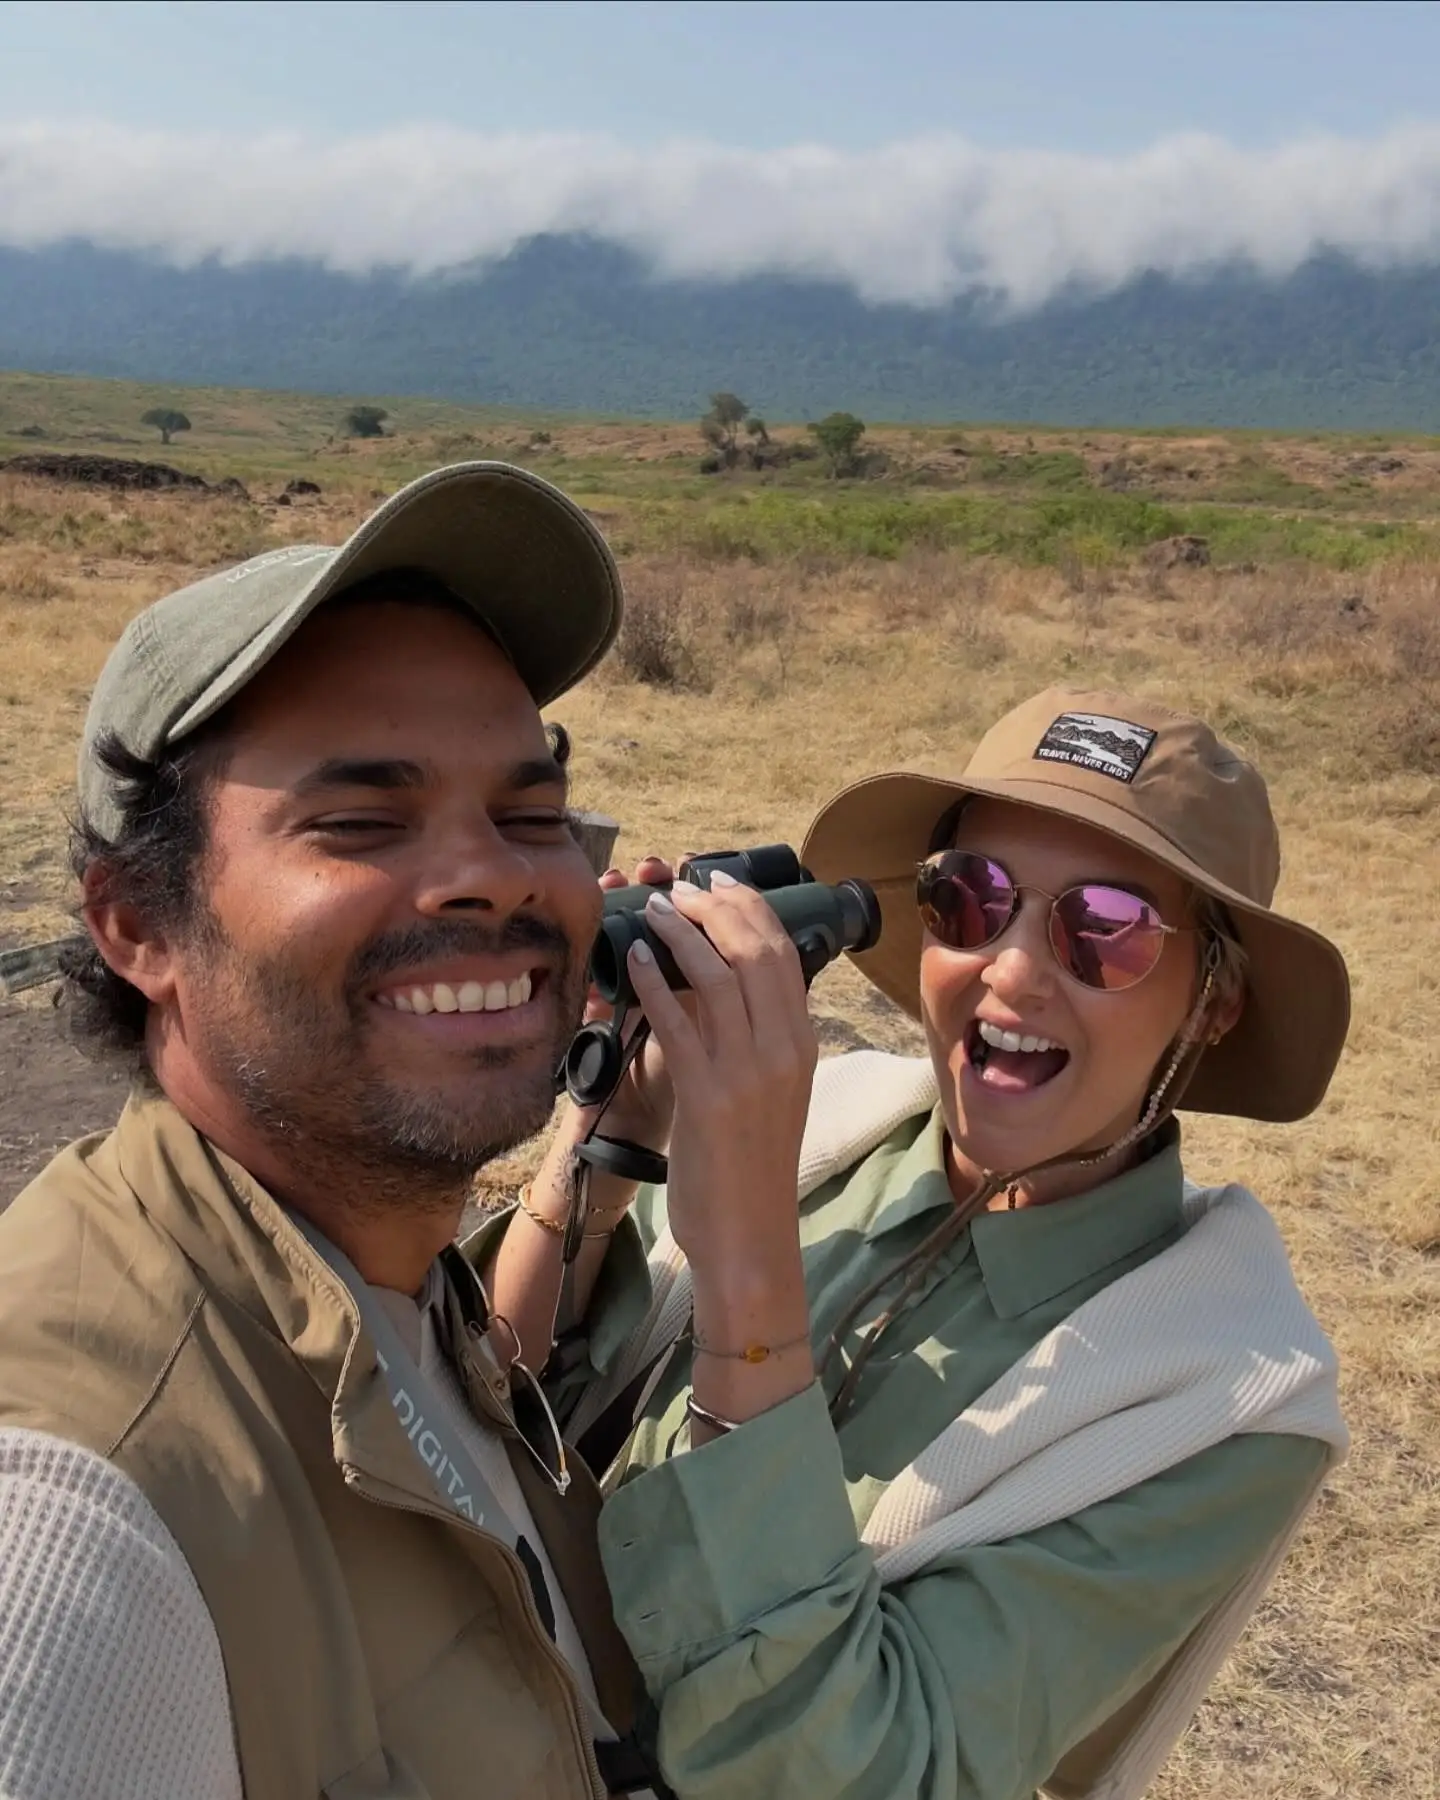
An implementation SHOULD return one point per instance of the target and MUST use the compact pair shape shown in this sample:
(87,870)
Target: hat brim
(1277,1061)
(528,561)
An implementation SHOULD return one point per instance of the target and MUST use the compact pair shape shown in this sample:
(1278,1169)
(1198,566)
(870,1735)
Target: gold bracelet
(557,1226)
(752,1353)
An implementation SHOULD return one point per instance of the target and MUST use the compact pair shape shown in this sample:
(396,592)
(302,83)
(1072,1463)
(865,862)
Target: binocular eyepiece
(821,921)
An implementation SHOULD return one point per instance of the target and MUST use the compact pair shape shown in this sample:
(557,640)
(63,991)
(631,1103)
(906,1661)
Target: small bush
(751,616)
(1407,733)
(366,421)
(30,581)
(658,643)
(1048,469)
(1414,638)
(1071,565)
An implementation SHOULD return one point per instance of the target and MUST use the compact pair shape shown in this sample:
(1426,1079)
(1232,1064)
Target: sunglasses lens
(966,901)
(1105,937)
(536,1424)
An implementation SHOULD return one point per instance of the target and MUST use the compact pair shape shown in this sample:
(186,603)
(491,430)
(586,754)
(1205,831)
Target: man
(277,1516)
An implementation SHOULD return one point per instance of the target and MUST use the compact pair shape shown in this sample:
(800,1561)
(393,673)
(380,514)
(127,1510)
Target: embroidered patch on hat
(1112,747)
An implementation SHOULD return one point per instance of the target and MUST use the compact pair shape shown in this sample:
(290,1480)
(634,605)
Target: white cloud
(917,221)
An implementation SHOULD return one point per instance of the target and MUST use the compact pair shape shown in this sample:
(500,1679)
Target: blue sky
(1082,77)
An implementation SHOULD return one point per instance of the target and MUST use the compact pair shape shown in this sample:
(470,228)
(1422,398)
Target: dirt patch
(51,1093)
(19,897)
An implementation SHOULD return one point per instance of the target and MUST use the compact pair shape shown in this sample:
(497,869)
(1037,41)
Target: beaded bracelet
(752,1353)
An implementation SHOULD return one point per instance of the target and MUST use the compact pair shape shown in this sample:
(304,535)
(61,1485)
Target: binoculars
(821,921)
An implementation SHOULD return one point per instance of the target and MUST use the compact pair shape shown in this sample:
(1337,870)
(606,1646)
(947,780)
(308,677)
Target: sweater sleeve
(111,1678)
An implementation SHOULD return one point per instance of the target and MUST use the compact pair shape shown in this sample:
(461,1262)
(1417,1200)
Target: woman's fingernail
(722,880)
(659,903)
(642,952)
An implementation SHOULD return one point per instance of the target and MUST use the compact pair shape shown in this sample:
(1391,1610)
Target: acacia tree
(166,420)
(720,427)
(366,421)
(839,435)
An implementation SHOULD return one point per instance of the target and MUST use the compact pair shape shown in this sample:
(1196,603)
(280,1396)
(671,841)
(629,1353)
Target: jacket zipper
(355,1479)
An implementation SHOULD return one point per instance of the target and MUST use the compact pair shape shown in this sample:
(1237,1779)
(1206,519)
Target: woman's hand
(739,1056)
(741,1053)
(644,1103)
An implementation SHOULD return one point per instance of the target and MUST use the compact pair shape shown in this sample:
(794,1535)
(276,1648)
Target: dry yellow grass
(801,681)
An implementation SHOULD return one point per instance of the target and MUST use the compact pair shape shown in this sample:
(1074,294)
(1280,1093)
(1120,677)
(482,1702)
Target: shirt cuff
(619,1300)
(705,1543)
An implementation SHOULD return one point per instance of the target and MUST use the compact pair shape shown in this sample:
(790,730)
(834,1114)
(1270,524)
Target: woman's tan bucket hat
(1166,784)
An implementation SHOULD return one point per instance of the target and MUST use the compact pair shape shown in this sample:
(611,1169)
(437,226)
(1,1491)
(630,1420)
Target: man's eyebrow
(361,772)
(538,771)
(398,772)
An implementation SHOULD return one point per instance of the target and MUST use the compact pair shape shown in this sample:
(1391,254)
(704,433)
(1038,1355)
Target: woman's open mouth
(1007,1062)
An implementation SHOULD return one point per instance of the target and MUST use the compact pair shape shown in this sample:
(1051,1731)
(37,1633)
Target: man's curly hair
(150,863)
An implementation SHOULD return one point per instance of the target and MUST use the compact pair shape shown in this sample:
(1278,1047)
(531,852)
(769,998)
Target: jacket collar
(250,1255)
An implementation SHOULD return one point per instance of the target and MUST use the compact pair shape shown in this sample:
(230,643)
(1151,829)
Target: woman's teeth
(469,997)
(1012,1040)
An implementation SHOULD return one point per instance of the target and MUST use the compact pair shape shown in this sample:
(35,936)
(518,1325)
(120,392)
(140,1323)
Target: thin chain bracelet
(557,1226)
(752,1353)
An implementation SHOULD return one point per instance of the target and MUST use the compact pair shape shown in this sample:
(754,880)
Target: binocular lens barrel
(820,920)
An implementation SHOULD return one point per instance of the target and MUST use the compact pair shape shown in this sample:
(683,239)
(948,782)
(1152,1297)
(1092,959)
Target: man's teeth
(469,997)
(1012,1040)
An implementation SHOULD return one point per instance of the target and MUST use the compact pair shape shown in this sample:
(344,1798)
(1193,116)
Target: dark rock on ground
(1179,553)
(120,472)
(103,471)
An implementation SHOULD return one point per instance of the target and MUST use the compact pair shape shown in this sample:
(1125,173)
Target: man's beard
(301,1064)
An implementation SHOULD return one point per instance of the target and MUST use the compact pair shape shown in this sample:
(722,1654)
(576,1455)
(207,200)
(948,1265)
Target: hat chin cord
(1164,1097)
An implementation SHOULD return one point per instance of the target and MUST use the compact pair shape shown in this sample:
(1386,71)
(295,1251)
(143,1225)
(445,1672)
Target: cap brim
(531,564)
(1277,1061)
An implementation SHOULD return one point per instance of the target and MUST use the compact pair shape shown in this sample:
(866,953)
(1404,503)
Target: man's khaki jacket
(161,1310)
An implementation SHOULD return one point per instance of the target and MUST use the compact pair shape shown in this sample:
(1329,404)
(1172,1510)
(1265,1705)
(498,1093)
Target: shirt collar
(918,1183)
(1028,1256)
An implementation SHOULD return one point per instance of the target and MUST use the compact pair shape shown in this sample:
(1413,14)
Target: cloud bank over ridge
(920,221)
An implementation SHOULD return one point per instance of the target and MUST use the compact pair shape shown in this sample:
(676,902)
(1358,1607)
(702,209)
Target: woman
(961,1478)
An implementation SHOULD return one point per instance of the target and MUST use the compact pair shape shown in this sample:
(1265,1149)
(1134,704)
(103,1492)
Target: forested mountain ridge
(575,324)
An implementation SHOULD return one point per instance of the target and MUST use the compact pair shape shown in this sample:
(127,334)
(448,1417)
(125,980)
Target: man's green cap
(531,564)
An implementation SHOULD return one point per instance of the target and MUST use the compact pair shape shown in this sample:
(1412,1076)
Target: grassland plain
(788,634)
